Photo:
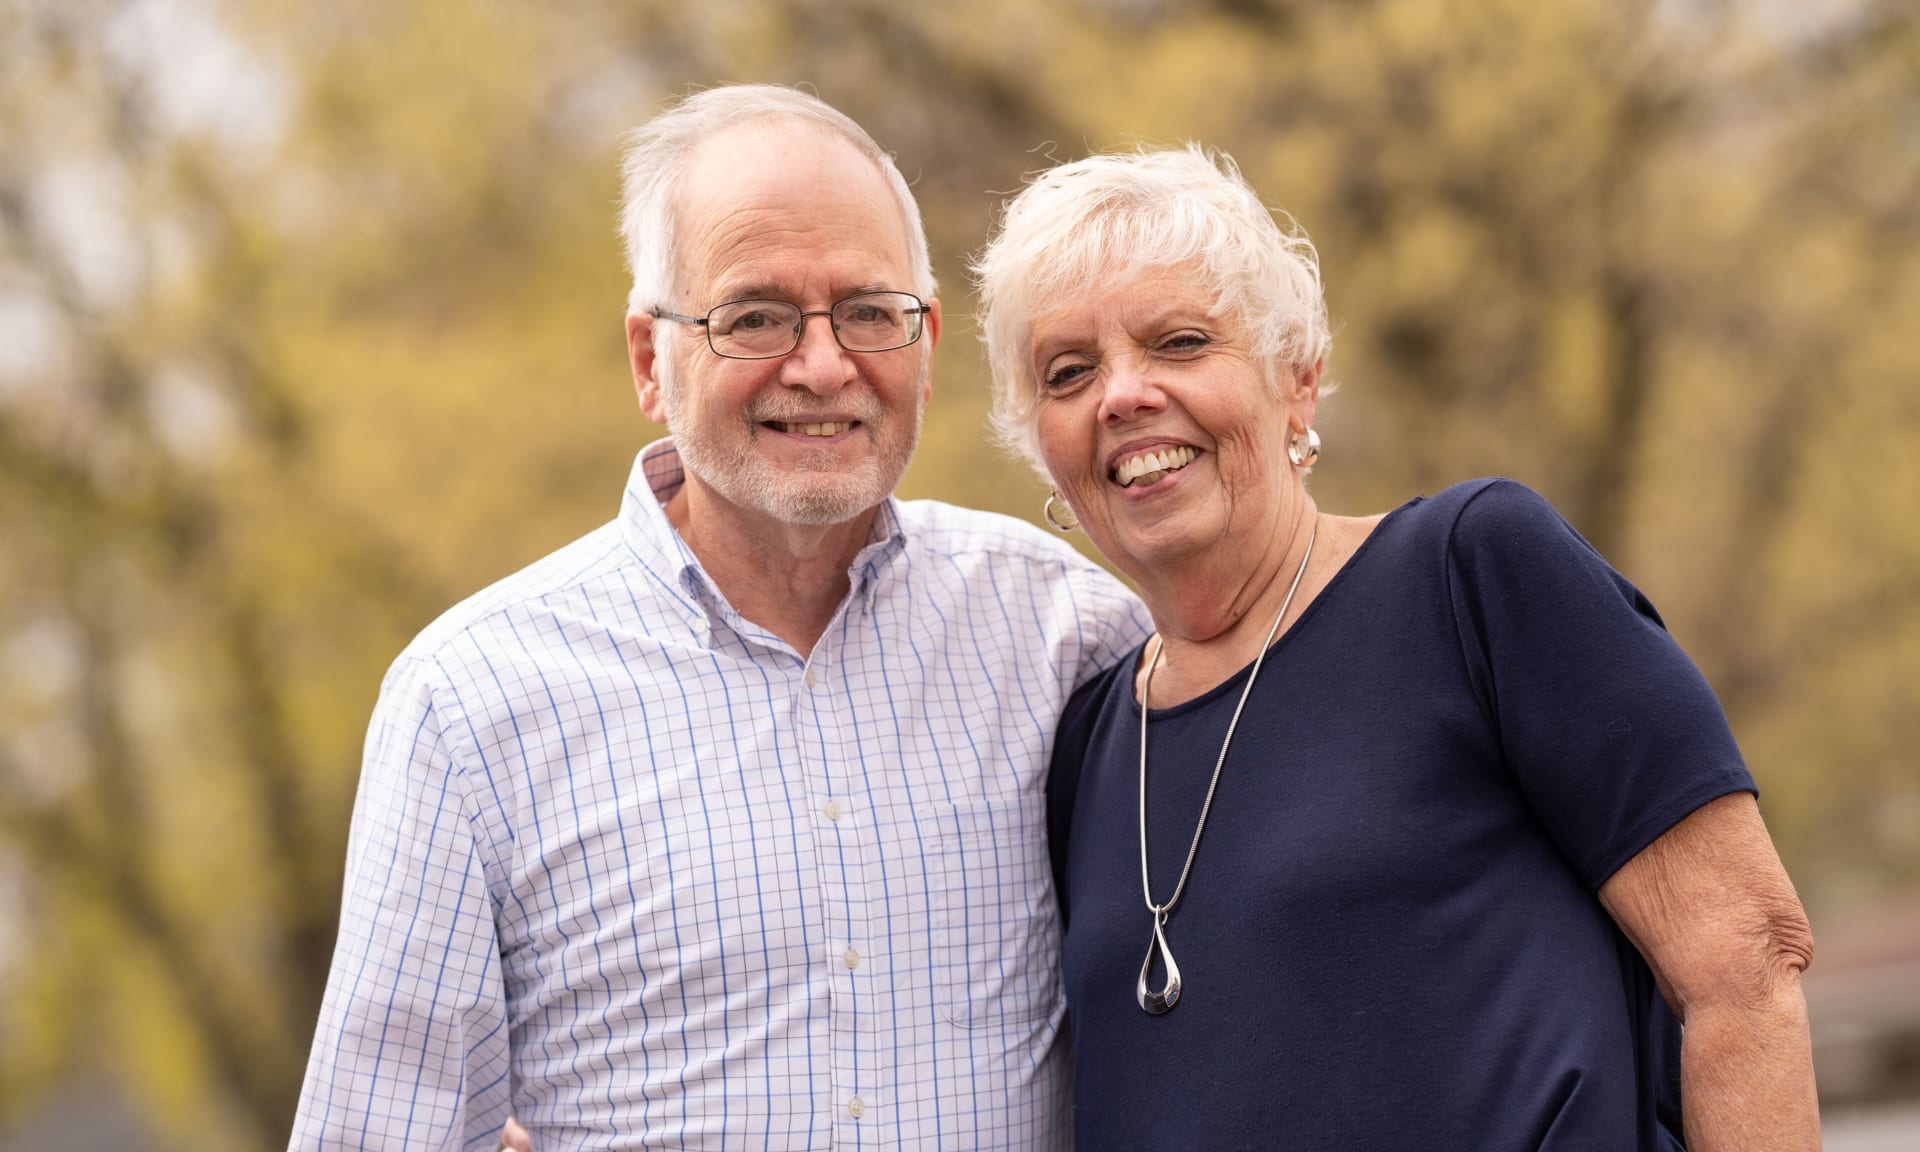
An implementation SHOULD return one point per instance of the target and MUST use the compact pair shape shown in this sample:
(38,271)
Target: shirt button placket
(846,848)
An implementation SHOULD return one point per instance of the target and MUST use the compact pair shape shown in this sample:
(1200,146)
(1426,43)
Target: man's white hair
(1109,218)
(658,155)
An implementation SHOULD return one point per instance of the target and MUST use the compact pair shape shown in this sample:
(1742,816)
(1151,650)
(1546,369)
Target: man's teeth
(833,428)
(1153,464)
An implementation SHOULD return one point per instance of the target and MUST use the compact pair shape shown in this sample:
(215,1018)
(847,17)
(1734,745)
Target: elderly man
(722,826)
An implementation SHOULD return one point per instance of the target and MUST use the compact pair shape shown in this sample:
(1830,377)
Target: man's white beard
(746,479)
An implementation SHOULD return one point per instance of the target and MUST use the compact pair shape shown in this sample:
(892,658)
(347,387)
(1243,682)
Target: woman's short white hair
(1109,218)
(658,154)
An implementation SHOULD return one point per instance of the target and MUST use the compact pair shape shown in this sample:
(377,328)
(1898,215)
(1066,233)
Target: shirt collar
(657,477)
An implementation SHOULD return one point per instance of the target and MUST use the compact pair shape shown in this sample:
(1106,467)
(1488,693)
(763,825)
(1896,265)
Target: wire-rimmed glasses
(767,329)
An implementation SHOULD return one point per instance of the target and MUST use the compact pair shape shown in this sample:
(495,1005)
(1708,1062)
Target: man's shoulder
(1032,586)
(951,531)
(483,617)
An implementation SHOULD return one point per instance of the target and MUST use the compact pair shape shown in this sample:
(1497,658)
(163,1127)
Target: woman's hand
(1713,912)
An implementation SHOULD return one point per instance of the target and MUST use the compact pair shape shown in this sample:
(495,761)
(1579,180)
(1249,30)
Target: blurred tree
(170,774)
(310,323)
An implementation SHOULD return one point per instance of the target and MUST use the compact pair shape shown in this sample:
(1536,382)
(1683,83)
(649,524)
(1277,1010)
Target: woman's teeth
(830,429)
(1150,466)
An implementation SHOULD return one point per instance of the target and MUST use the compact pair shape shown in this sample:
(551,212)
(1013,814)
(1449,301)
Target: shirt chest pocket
(995,924)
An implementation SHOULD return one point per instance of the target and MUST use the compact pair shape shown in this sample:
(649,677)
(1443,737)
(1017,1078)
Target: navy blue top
(1391,938)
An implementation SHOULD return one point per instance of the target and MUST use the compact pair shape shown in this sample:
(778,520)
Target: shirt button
(832,809)
(856,1107)
(811,679)
(851,957)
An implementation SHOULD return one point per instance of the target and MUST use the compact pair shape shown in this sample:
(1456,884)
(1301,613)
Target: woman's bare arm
(1710,907)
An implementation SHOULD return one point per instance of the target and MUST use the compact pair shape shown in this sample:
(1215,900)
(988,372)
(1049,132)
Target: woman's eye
(1063,375)
(1184,342)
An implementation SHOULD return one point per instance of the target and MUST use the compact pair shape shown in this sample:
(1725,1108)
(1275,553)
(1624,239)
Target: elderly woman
(1405,831)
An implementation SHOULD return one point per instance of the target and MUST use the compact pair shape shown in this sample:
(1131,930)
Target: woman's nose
(1129,392)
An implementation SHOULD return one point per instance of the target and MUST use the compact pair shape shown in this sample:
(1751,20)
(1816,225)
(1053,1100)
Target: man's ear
(643,357)
(932,337)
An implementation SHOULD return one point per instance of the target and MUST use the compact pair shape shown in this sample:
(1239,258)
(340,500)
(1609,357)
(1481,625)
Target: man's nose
(817,363)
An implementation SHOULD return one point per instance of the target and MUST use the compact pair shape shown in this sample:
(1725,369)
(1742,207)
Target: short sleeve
(1610,732)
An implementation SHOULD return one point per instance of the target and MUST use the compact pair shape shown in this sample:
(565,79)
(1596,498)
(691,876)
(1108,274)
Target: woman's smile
(1143,469)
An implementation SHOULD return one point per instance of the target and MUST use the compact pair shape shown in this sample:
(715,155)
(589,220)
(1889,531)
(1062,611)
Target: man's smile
(826,428)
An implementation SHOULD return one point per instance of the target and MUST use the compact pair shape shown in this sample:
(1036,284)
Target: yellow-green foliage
(288,369)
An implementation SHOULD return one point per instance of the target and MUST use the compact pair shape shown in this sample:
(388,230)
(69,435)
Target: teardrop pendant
(1159,1002)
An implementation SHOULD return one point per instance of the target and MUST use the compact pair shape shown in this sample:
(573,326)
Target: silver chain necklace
(1163,1000)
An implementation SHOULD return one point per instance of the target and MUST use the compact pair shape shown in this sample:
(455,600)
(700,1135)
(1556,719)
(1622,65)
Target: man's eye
(750,322)
(1184,342)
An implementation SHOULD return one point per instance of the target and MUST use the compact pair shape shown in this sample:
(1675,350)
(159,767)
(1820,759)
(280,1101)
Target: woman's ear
(1303,394)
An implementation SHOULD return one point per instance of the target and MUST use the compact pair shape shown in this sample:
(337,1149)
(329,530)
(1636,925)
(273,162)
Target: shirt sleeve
(1113,622)
(1610,732)
(411,1049)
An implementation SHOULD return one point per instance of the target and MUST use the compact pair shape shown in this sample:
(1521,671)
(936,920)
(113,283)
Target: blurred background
(310,324)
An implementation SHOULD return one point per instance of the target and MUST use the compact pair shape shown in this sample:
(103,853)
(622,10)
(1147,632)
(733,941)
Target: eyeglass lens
(869,322)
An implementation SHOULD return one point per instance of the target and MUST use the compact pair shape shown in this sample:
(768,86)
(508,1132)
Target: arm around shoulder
(1710,907)
(1113,621)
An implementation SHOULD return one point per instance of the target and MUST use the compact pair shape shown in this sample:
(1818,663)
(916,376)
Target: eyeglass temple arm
(663,314)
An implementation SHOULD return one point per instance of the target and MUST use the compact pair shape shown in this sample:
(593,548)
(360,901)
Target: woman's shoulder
(1091,706)
(1110,686)
(1479,532)
(1505,517)
(1487,496)
(1489,511)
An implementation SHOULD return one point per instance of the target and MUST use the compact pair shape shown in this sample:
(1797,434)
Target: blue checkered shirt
(629,866)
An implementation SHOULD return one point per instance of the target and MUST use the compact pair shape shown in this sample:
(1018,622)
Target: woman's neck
(1214,613)
(1212,622)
